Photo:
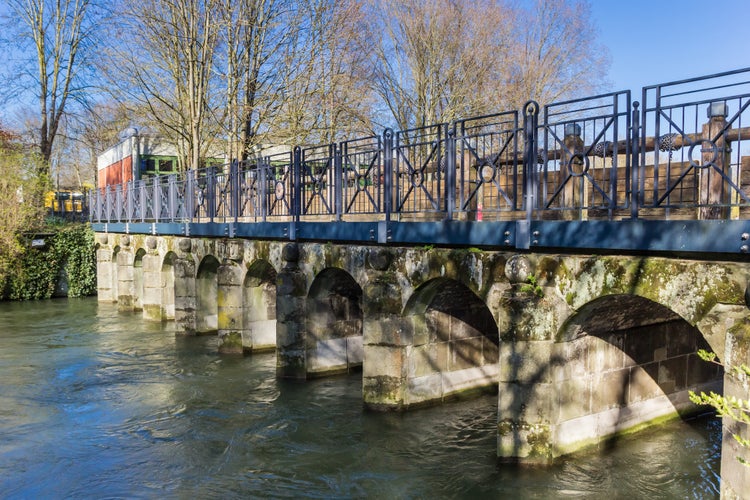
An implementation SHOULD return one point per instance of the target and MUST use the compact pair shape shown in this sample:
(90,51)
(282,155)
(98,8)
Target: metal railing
(683,154)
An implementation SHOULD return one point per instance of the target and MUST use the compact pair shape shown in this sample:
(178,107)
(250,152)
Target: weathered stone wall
(580,348)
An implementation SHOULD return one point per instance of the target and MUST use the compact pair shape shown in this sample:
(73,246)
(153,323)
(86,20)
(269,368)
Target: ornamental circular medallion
(279,190)
(709,153)
(578,165)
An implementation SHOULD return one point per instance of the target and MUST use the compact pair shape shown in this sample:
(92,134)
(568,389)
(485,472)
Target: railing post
(530,126)
(172,194)
(338,179)
(635,156)
(388,173)
(211,193)
(262,204)
(131,201)
(450,172)
(118,202)
(296,191)
(234,180)
(714,163)
(189,195)
(156,196)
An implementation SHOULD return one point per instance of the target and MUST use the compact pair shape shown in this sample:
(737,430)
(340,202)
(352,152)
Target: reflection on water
(96,403)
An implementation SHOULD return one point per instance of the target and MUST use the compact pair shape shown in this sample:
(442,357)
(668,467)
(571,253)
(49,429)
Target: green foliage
(36,271)
(737,409)
(76,245)
(532,287)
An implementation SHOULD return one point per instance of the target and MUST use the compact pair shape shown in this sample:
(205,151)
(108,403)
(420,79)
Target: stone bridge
(579,348)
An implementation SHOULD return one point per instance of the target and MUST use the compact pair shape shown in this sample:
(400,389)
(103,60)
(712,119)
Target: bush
(36,272)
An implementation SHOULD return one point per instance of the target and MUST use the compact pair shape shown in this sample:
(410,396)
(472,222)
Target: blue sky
(659,41)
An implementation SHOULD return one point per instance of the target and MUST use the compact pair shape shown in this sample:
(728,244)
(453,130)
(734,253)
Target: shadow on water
(119,407)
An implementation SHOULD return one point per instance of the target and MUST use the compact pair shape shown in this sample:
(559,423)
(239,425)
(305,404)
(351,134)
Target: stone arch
(623,362)
(334,323)
(259,307)
(206,294)
(168,286)
(455,343)
(138,279)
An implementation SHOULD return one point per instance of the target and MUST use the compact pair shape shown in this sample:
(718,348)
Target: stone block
(531,403)
(437,327)
(151,264)
(609,389)
(470,379)
(423,361)
(391,330)
(461,330)
(290,335)
(230,342)
(355,353)
(229,318)
(184,269)
(151,295)
(383,393)
(383,361)
(673,374)
(185,303)
(381,297)
(575,434)
(527,362)
(638,346)
(573,356)
(574,398)
(490,352)
(643,382)
(529,443)
(290,309)
(327,355)
(290,363)
(262,334)
(681,338)
(424,389)
(604,356)
(465,353)
(291,282)
(229,296)
(423,331)
(699,371)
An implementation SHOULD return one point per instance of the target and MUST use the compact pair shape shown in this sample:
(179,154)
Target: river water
(100,404)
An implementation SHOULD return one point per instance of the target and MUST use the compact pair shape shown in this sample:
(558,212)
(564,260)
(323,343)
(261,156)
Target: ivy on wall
(68,254)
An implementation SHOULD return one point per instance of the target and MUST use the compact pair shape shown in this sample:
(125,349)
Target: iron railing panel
(583,157)
(489,164)
(694,149)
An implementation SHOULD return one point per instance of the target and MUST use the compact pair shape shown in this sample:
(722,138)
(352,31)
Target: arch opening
(168,287)
(259,307)
(207,300)
(138,279)
(455,345)
(334,323)
(625,363)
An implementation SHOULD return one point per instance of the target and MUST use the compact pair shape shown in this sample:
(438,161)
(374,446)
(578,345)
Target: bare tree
(58,32)
(88,134)
(162,64)
(327,94)
(253,34)
(557,55)
(437,60)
